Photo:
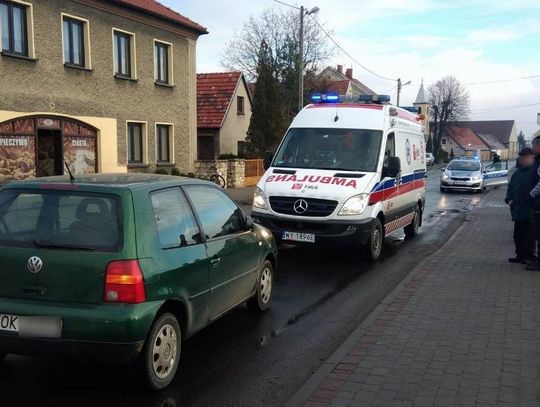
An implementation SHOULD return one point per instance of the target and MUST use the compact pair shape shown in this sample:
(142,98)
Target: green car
(124,267)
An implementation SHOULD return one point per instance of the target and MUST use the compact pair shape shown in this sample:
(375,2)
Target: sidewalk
(462,330)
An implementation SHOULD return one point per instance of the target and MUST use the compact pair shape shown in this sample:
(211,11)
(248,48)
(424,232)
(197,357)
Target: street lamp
(303,13)
(399,86)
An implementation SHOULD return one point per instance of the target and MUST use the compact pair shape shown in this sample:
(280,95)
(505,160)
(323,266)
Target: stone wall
(232,170)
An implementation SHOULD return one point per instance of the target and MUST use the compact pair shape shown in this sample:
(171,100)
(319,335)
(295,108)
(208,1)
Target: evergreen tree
(522,142)
(267,124)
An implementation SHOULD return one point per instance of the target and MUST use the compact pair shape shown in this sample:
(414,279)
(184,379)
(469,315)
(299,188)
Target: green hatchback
(124,267)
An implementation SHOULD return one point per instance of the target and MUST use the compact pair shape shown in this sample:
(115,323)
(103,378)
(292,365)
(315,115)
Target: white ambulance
(348,171)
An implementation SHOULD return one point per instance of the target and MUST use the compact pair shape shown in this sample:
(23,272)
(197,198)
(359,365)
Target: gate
(254,172)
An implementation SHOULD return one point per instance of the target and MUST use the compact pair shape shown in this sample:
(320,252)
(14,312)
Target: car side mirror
(443,168)
(394,166)
(249,222)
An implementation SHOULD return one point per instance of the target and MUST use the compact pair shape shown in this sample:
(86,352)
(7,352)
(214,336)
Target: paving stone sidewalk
(462,330)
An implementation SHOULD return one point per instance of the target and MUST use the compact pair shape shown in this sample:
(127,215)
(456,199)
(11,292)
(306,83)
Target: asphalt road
(248,359)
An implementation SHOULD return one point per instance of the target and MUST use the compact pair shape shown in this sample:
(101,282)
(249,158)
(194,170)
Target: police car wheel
(373,248)
(443,190)
(412,229)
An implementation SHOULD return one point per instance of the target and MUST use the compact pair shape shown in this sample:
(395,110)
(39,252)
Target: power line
(347,54)
(492,81)
(505,107)
(286,4)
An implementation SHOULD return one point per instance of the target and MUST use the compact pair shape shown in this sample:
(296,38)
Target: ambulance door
(390,184)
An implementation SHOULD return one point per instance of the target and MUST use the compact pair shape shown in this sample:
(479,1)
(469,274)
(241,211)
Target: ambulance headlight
(355,205)
(259,199)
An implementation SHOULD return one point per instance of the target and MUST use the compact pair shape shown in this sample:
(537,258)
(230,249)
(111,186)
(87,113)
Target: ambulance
(349,171)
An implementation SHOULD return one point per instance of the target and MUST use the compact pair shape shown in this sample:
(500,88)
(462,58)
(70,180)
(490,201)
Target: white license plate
(298,237)
(459,183)
(9,323)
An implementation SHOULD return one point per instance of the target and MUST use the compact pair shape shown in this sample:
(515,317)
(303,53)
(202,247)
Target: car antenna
(71,177)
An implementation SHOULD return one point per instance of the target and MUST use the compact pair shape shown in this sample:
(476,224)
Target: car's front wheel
(443,190)
(161,354)
(374,246)
(262,300)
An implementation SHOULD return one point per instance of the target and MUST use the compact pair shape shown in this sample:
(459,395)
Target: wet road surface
(248,359)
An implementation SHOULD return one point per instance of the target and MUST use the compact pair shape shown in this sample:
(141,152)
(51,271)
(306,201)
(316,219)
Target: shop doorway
(50,157)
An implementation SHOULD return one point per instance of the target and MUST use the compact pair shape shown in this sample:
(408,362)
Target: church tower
(423,108)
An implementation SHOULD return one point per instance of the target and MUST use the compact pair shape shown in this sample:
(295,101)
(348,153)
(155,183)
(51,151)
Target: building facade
(223,114)
(106,86)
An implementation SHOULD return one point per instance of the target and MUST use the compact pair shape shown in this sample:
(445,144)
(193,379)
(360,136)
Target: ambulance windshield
(330,149)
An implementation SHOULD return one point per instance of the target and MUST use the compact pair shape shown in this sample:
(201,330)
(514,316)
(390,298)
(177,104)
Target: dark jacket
(518,193)
(534,188)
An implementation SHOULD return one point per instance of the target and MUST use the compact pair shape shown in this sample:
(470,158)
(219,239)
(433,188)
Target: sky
(415,40)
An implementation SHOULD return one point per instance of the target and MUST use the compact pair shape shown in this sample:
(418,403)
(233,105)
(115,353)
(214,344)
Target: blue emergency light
(330,97)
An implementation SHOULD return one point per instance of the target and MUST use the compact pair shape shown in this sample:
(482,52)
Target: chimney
(349,74)
(340,68)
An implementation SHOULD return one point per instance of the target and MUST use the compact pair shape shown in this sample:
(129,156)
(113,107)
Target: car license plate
(9,323)
(459,183)
(298,237)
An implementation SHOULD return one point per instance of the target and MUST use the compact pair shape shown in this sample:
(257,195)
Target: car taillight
(124,282)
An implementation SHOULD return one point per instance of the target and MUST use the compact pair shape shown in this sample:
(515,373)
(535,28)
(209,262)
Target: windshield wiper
(52,245)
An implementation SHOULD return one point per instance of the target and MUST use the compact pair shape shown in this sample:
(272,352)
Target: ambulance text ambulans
(350,170)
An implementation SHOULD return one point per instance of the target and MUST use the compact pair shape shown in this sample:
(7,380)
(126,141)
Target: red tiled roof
(159,10)
(214,94)
(327,85)
(465,136)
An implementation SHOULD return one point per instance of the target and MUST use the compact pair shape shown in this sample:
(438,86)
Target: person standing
(517,197)
(534,187)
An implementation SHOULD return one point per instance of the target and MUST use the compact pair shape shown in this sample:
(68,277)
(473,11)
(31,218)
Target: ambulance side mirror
(394,166)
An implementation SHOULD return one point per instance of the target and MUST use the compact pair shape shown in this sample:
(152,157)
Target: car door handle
(215,261)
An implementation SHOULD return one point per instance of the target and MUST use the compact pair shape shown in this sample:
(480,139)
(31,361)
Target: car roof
(116,181)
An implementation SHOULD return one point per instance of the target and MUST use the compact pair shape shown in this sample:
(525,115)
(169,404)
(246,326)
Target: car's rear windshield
(63,220)
(464,166)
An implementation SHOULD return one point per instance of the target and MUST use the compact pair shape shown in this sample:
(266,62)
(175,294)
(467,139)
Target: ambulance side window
(389,151)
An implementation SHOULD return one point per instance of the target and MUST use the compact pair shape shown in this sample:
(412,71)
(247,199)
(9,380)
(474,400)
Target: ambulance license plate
(298,237)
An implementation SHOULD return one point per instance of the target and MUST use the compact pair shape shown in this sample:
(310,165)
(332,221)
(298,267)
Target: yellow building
(105,86)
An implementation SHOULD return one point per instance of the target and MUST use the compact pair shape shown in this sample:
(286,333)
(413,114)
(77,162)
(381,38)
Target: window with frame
(163,140)
(74,42)
(218,214)
(240,105)
(135,143)
(123,63)
(13,22)
(176,225)
(161,60)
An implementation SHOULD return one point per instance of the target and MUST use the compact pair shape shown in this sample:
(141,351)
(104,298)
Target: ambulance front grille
(315,207)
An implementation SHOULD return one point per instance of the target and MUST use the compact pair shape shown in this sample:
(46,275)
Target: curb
(303,395)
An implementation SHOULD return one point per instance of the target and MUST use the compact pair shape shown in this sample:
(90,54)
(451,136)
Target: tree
(266,126)
(449,101)
(429,144)
(522,142)
(452,153)
(279,29)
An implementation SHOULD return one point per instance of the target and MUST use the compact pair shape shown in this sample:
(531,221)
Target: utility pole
(303,13)
(301,62)
(399,87)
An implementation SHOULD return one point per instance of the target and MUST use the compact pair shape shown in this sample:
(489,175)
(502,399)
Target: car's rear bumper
(117,331)
(113,352)
(327,232)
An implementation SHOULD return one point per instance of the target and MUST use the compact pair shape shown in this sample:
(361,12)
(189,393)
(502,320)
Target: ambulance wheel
(374,246)
(412,229)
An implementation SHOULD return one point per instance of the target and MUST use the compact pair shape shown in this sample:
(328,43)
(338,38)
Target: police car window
(334,149)
(464,166)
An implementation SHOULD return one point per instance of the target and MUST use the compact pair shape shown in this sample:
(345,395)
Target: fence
(254,172)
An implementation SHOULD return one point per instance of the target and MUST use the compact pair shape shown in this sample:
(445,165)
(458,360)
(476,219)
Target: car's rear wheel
(412,229)
(161,354)
(374,246)
(262,300)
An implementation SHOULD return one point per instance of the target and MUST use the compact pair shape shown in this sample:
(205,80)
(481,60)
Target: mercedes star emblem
(300,206)
(34,264)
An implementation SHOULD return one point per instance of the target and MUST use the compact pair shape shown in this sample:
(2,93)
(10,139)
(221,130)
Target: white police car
(469,174)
